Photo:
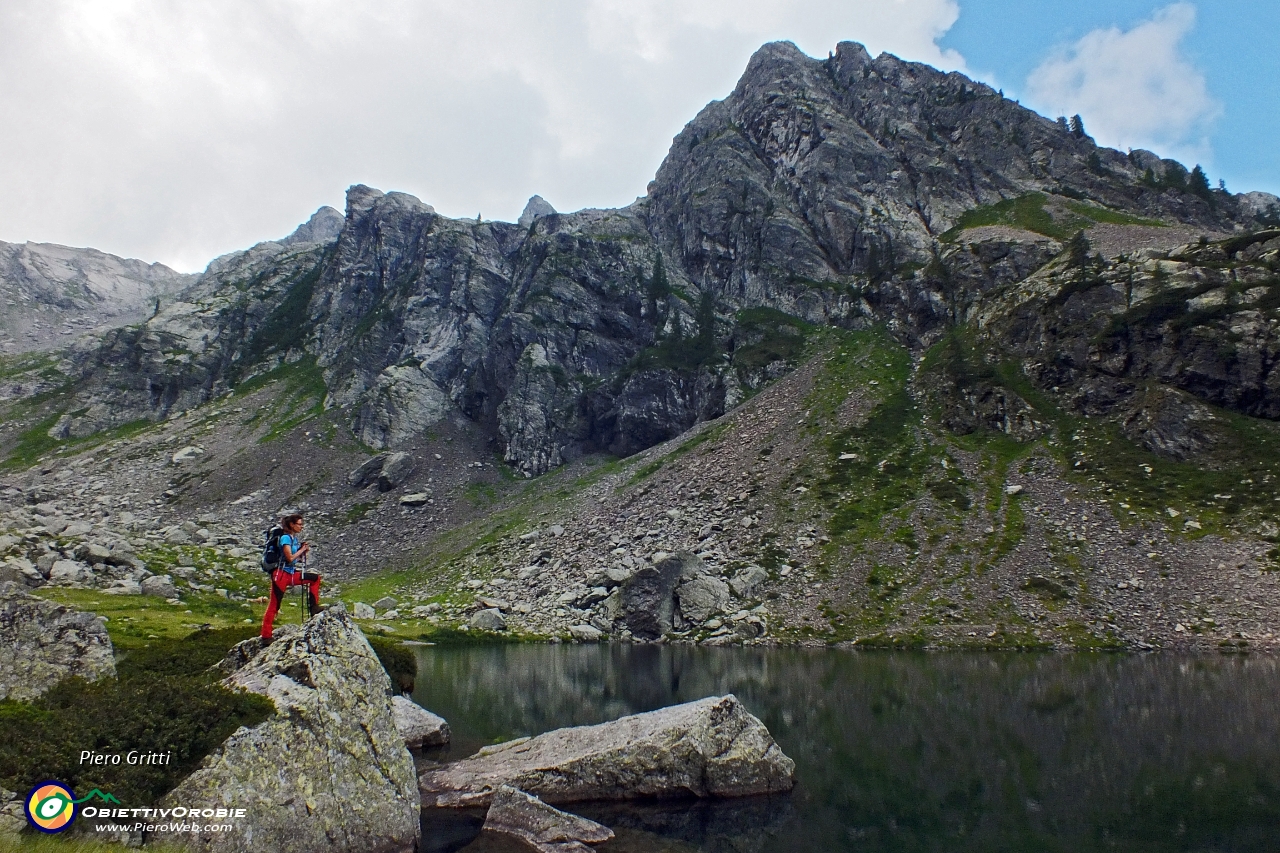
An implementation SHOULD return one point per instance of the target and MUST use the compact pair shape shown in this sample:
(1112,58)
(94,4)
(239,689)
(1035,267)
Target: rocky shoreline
(331,769)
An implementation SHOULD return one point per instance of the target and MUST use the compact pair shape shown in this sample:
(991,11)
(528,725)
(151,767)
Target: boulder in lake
(329,771)
(543,828)
(44,643)
(709,748)
(418,726)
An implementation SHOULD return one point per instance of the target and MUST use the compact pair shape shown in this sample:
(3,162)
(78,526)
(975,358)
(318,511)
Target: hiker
(289,573)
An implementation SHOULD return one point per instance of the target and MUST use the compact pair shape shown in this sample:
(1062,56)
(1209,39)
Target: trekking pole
(304,589)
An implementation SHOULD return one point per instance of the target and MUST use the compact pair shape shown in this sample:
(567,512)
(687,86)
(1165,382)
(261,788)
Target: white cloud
(175,131)
(1133,88)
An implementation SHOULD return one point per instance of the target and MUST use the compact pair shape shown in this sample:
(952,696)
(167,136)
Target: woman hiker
(289,574)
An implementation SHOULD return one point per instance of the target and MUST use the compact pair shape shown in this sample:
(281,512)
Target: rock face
(829,191)
(330,770)
(418,726)
(543,828)
(323,226)
(52,292)
(709,748)
(44,643)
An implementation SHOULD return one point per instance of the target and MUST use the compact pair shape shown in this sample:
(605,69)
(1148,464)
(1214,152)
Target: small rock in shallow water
(417,725)
(544,828)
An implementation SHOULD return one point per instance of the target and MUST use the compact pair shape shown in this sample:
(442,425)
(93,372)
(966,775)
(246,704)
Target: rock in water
(545,829)
(709,748)
(328,772)
(418,726)
(44,643)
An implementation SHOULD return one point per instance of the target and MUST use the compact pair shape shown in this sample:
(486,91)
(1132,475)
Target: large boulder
(418,726)
(709,748)
(541,827)
(329,771)
(395,470)
(367,472)
(648,596)
(702,597)
(43,643)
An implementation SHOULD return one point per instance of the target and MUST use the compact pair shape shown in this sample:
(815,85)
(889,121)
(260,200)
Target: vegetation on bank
(163,699)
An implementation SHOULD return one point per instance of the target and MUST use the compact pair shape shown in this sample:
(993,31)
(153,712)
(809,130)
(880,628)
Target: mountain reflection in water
(899,751)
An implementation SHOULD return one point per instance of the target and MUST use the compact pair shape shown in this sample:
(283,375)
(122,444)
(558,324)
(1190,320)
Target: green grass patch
(1094,213)
(357,511)
(765,335)
(882,465)
(1028,213)
(299,394)
(36,443)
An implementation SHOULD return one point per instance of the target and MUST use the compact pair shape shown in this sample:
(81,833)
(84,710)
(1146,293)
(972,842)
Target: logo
(51,806)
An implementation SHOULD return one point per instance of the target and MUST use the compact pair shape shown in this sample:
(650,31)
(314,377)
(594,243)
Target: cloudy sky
(176,130)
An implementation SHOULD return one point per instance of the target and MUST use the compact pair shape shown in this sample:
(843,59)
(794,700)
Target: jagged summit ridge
(821,189)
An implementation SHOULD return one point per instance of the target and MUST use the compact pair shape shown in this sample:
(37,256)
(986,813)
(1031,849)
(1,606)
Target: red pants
(281,581)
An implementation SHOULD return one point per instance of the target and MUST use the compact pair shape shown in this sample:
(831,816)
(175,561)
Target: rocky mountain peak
(536,208)
(323,226)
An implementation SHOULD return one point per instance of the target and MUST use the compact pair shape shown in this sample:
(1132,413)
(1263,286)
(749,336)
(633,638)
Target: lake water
(909,752)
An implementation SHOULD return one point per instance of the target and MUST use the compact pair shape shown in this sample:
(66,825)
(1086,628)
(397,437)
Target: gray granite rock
(329,771)
(44,643)
(395,469)
(745,581)
(536,208)
(586,633)
(709,748)
(488,620)
(702,597)
(544,828)
(418,726)
(160,586)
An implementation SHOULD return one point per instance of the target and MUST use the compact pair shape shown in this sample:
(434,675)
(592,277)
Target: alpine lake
(903,751)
